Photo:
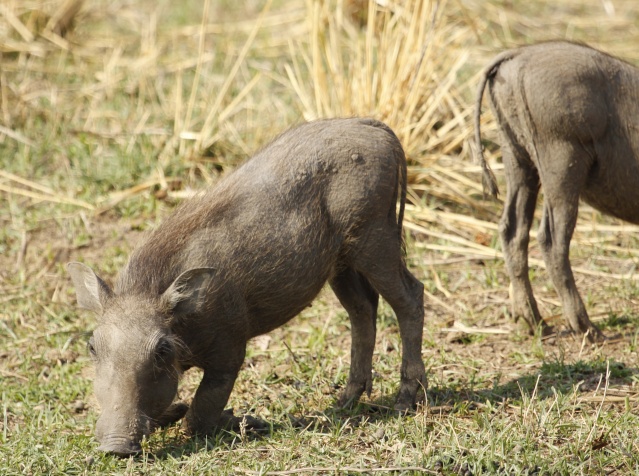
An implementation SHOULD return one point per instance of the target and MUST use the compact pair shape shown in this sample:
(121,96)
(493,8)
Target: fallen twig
(459,327)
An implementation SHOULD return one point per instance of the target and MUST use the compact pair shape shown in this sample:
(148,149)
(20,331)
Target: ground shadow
(551,377)
(323,421)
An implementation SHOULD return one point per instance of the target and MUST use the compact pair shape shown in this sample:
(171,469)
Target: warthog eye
(91,347)
(163,352)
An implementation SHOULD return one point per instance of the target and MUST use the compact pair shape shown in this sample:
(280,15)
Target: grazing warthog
(318,204)
(566,114)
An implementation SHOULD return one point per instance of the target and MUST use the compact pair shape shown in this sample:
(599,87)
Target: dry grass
(394,69)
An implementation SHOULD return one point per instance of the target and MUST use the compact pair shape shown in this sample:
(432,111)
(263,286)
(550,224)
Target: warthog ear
(91,291)
(187,293)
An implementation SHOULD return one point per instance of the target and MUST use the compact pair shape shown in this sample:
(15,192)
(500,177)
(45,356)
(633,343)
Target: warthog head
(135,356)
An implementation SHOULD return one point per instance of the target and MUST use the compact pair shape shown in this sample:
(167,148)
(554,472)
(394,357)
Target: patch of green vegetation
(619,322)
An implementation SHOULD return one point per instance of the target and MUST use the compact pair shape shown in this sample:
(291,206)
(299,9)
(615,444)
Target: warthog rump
(566,114)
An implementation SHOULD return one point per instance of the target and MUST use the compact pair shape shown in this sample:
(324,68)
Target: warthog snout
(122,447)
(121,435)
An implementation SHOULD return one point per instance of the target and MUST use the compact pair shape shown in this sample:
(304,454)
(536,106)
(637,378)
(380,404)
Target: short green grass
(102,136)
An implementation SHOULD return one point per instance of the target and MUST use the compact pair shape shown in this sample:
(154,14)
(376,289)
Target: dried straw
(412,63)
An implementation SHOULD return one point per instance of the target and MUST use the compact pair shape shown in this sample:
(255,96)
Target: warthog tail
(489,183)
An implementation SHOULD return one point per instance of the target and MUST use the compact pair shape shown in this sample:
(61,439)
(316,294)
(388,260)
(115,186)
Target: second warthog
(566,114)
(318,204)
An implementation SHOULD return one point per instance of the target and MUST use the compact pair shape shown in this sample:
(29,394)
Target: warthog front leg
(205,412)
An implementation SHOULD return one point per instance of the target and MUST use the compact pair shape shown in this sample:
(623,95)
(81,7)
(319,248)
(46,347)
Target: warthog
(318,204)
(566,115)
